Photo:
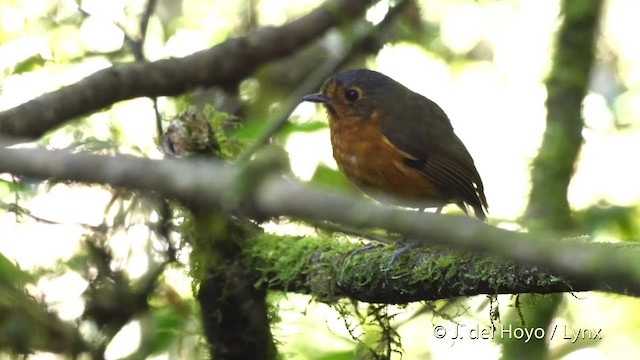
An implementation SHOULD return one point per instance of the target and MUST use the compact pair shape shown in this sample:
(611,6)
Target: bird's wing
(434,149)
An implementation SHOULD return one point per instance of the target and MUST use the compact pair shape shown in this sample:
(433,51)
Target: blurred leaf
(93,144)
(305,127)
(29,64)
(249,130)
(65,43)
(167,326)
(342,355)
(253,129)
(24,187)
(610,220)
(9,187)
(11,275)
(331,178)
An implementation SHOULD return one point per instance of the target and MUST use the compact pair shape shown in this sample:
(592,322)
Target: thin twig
(19,210)
(310,84)
(315,79)
(145,17)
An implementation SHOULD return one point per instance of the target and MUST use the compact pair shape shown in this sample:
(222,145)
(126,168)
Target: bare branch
(224,64)
(212,184)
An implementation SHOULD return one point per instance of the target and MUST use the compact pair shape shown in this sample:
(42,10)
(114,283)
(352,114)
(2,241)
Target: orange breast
(372,163)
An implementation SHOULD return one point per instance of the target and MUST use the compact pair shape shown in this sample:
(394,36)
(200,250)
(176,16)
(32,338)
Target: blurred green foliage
(47,44)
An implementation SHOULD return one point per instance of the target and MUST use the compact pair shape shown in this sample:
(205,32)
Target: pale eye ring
(351,95)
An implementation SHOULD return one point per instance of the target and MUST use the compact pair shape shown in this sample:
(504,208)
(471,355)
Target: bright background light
(495,104)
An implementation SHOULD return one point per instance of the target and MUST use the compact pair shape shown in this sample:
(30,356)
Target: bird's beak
(317,98)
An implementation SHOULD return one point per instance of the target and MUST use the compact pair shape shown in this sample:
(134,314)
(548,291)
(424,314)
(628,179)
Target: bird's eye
(351,95)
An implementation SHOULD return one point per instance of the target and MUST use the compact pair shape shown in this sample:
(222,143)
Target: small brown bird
(390,140)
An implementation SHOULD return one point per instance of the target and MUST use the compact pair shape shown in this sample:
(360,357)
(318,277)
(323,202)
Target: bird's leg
(367,247)
(396,254)
(406,246)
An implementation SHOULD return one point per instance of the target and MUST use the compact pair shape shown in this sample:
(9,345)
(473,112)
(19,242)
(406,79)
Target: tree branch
(330,270)
(313,80)
(224,64)
(566,87)
(211,184)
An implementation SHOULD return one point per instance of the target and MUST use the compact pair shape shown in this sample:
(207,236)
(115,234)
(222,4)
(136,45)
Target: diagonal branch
(211,184)
(224,64)
(314,80)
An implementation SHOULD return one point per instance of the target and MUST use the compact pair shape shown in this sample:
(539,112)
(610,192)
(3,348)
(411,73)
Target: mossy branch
(330,270)
(567,86)
(210,184)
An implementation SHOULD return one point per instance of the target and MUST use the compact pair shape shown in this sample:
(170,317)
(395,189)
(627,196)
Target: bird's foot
(396,254)
(367,247)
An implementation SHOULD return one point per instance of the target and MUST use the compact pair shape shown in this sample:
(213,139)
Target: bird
(398,146)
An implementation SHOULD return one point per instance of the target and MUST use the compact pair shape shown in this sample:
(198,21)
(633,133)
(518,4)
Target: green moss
(291,262)
(203,133)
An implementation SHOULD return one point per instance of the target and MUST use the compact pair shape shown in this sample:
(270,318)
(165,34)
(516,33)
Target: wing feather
(430,145)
